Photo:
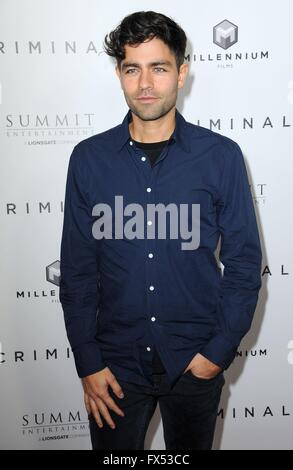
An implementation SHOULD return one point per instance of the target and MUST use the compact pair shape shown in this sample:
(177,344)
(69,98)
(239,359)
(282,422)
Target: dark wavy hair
(145,25)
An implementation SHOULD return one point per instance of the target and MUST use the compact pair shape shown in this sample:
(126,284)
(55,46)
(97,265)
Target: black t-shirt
(153,150)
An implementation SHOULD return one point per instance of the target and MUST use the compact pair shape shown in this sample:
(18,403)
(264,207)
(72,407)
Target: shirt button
(153,318)
(149,190)
(148,348)
(151,288)
(143,159)
(150,255)
(131,143)
(150,222)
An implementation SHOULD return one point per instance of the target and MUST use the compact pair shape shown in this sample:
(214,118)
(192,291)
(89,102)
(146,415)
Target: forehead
(149,51)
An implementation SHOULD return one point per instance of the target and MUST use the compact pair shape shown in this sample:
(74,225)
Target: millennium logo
(225,34)
(53,273)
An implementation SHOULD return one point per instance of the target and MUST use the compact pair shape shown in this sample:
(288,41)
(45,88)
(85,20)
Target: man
(150,318)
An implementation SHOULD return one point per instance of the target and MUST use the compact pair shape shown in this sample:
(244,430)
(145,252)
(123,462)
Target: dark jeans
(188,411)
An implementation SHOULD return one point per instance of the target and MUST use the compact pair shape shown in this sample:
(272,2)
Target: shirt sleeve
(79,291)
(241,255)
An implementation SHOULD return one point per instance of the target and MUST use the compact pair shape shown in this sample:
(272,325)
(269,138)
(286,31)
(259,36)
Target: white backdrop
(57,88)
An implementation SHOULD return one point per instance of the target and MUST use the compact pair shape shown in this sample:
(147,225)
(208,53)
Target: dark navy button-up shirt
(122,297)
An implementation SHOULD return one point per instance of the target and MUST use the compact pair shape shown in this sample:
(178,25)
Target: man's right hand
(96,396)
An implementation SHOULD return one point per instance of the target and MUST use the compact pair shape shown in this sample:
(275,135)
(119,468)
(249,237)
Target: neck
(152,131)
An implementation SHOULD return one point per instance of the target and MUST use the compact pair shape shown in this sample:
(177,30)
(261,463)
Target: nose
(145,79)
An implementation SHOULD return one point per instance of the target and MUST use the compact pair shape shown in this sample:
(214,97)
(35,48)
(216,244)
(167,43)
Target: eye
(157,69)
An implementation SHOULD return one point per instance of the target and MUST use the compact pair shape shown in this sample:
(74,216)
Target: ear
(183,71)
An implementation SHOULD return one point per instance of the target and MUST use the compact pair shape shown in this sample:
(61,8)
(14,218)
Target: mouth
(147,99)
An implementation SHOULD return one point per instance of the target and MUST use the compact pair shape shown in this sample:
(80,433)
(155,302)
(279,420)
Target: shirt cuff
(88,359)
(220,351)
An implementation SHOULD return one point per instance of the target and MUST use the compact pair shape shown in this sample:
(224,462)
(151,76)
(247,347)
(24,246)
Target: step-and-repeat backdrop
(57,88)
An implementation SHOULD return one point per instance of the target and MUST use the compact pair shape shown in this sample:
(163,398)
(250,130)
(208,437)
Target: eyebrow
(151,64)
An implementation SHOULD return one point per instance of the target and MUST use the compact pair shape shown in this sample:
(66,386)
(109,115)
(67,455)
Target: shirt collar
(180,134)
